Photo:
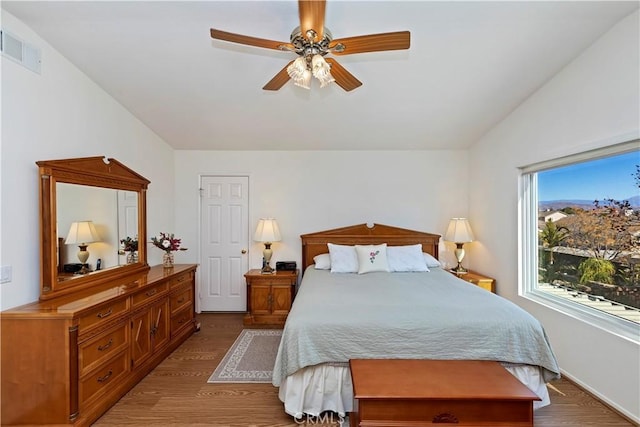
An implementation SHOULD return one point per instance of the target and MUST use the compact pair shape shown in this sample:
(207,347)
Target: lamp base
(267,270)
(459,270)
(266,259)
(84,269)
(459,253)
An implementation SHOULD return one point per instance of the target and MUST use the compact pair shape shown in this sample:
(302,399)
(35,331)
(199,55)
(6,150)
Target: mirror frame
(94,172)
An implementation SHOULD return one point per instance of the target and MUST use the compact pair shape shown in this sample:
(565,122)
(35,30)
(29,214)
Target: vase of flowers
(129,246)
(167,259)
(169,244)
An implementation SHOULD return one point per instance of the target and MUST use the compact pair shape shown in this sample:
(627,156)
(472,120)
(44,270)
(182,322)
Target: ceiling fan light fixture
(302,69)
(306,80)
(297,68)
(321,70)
(311,41)
(299,73)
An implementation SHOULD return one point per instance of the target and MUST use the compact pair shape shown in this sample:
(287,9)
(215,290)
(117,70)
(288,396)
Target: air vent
(19,51)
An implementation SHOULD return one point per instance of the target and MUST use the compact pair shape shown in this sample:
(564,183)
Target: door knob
(244,251)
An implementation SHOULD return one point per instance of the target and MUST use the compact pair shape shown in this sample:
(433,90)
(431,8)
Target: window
(580,238)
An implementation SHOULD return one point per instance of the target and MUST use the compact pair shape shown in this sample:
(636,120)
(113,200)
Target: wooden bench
(394,392)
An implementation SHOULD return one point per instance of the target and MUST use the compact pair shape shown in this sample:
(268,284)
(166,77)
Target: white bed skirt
(327,387)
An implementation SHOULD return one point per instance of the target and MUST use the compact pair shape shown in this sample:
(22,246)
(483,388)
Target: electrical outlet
(5,274)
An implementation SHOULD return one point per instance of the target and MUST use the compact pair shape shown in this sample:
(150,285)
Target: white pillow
(431,261)
(372,258)
(406,258)
(343,258)
(322,262)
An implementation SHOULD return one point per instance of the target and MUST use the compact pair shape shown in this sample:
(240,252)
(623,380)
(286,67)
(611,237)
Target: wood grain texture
(279,79)
(176,392)
(311,14)
(411,391)
(372,43)
(66,360)
(361,234)
(94,171)
(247,40)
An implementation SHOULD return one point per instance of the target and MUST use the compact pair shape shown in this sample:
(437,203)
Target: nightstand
(478,279)
(269,297)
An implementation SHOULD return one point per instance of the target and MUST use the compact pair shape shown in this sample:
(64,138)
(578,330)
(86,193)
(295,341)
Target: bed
(402,314)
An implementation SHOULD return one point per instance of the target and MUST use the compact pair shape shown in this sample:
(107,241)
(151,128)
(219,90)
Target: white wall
(593,102)
(308,191)
(59,114)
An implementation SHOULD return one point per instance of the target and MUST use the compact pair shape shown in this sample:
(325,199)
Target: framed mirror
(93,224)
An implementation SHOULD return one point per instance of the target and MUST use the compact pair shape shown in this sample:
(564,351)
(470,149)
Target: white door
(224,242)
(127,218)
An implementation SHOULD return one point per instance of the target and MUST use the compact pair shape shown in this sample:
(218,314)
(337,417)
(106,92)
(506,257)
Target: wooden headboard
(316,243)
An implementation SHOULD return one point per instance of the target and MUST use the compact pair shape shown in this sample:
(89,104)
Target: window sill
(607,322)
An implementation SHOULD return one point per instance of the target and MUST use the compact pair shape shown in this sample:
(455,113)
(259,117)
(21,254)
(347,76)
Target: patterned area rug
(250,359)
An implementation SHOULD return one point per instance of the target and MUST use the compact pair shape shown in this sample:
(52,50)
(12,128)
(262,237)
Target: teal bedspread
(431,315)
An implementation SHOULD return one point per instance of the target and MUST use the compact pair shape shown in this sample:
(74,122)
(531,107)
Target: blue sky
(608,178)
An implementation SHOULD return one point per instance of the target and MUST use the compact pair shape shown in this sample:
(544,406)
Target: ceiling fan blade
(344,79)
(371,43)
(312,17)
(248,40)
(279,79)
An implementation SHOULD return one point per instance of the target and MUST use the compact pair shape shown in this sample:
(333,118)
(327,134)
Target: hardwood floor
(176,393)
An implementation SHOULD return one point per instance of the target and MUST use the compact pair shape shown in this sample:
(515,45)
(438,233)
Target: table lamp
(459,232)
(267,232)
(82,233)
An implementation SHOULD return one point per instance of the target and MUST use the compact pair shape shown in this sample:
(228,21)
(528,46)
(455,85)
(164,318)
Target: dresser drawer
(102,314)
(102,379)
(181,280)
(97,350)
(146,295)
(181,319)
(181,299)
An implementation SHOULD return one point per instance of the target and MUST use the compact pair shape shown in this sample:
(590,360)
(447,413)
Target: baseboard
(601,398)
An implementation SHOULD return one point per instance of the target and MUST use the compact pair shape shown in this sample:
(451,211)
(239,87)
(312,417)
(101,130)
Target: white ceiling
(469,65)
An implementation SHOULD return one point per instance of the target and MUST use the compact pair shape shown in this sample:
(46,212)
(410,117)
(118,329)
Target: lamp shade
(267,231)
(459,231)
(82,232)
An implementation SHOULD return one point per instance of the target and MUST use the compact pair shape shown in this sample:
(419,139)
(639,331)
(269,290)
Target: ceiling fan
(311,41)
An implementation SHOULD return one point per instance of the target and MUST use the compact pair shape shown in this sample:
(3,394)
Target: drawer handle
(152,292)
(181,321)
(181,300)
(105,314)
(106,377)
(106,346)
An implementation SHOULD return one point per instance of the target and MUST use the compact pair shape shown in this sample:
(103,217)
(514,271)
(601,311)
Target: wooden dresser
(65,361)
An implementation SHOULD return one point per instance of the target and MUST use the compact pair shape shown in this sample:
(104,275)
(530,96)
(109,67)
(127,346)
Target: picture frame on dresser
(68,357)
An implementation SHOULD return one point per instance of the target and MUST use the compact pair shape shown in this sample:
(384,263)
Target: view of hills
(584,204)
